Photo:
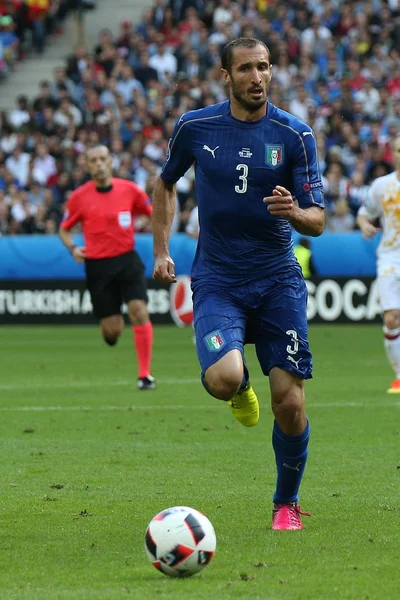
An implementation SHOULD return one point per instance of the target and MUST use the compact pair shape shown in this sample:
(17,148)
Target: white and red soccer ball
(181,303)
(180,541)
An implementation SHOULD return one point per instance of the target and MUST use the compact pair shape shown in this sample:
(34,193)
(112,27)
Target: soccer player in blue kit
(257,176)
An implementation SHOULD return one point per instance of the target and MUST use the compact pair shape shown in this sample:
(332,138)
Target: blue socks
(291,456)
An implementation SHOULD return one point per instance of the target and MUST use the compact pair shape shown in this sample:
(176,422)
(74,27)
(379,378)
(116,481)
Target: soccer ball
(180,541)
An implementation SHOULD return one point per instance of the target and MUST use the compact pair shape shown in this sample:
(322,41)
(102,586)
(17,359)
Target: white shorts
(389,291)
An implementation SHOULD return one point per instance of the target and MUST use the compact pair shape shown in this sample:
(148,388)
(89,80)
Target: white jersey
(383,202)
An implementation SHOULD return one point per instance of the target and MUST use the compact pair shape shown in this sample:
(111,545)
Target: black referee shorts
(113,281)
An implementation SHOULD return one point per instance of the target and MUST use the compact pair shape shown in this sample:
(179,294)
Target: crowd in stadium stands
(26,24)
(336,66)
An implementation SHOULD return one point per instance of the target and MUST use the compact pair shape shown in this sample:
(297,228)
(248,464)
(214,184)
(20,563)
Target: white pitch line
(56,385)
(101,408)
(109,383)
(182,407)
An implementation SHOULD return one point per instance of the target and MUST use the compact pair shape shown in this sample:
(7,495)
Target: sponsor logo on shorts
(214,341)
(295,362)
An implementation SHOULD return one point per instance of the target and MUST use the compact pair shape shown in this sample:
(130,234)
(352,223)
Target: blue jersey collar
(246,124)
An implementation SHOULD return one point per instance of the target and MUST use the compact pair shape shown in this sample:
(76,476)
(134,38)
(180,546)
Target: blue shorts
(271,313)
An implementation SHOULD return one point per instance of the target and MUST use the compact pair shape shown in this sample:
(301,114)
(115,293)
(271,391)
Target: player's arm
(370,211)
(71,217)
(164,207)
(179,159)
(303,206)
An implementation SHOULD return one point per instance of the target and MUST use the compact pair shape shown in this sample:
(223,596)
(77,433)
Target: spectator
(4,217)
(357,191)
(20,115)
(164,62)
(36,17)
(44,165)
(128,85)
(36,194)
(341,220)
(18,164)
(145,73)
(337,69)
(369,97)
(303,253)
(68,113)
(8,40)
(44,98)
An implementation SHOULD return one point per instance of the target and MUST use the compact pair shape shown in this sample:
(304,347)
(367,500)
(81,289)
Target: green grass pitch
(87,460)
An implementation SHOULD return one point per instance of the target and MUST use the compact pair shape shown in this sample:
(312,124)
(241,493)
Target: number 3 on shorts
(293,338)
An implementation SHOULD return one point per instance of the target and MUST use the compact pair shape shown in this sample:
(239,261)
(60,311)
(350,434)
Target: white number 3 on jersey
(242,188)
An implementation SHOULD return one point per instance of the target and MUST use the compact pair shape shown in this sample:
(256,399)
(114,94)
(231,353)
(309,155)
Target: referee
(105,207)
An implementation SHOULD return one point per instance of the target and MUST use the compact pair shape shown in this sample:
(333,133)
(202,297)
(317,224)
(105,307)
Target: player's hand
(164,269)
(79,254)
(369,231)
(281,203)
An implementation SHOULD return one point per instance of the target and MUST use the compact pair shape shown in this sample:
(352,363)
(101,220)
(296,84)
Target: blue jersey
(237,164)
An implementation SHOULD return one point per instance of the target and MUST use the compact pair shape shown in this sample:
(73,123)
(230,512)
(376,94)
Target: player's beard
(246,101)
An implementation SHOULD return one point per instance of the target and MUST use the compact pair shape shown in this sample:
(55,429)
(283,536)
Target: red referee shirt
(107,217)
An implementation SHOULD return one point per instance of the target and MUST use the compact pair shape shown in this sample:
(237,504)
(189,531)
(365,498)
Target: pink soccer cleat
(287,517)
(395,387)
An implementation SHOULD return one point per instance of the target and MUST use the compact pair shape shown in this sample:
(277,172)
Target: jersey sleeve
(373,205)
(72,214)
(179,154)
(307,184)
(141,204)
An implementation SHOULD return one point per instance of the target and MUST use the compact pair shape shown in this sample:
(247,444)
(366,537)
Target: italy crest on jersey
(273,155)
(214,341)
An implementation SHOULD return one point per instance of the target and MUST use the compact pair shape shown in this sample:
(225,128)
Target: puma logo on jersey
(307,133)
(205,147)
(295,362)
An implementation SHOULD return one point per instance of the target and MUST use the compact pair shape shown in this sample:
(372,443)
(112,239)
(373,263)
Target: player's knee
(288,405)
(138,313)
(111,336)
(111,331)
(223,386)
(391,319)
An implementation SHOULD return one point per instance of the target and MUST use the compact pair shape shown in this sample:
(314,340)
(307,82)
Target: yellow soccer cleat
(244,406)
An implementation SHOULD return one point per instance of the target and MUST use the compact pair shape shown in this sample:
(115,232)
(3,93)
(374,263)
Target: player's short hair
(93,147)
(227,52)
